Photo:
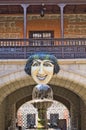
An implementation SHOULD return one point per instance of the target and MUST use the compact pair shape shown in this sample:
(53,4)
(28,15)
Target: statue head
(42,67)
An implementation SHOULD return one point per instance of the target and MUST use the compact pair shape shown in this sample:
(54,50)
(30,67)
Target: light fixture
(42,12)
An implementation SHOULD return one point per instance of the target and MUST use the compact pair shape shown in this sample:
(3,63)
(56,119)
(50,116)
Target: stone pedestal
(42,106)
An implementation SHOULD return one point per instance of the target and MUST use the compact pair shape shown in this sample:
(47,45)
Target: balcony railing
(61,48)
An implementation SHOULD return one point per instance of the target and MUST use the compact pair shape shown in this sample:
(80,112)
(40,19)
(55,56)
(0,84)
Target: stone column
(25,18)
(8,115)
(13,117)
(75,118)
(83,115)
(2,117)
(62,19)
(42,106)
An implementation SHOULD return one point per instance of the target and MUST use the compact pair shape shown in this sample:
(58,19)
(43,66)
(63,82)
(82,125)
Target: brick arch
(68,80)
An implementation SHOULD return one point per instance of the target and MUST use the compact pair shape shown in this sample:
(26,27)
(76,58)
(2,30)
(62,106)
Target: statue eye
(47,64)
(36,64)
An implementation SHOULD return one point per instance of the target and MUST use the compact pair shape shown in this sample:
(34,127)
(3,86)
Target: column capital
(61,5)
(25,5)
(25,18)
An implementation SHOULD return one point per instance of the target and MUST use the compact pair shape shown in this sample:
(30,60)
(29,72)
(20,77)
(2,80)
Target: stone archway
(69,81)
(17,98)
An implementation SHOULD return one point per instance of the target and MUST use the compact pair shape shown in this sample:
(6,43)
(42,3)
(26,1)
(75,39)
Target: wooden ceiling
(36,9)
(38,2)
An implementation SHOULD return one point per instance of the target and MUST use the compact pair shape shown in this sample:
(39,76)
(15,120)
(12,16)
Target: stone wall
(13,79)
(75,25)
(77,66)
(11,26)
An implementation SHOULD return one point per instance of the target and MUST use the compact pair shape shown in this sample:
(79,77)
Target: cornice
(39,2)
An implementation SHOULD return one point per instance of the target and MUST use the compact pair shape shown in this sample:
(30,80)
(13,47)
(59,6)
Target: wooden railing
(61,48)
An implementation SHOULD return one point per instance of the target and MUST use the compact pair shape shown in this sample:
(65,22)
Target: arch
(23,94)
(64,84)
(68,80)
(57,98)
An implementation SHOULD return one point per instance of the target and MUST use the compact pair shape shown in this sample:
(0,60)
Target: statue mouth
(41,77)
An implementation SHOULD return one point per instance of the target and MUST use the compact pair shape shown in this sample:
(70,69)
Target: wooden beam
(39,2)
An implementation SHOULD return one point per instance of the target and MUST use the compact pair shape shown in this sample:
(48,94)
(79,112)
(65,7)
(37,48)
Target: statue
(42,67)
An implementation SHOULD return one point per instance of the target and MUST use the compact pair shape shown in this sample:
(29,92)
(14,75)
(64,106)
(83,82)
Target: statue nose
(41,70)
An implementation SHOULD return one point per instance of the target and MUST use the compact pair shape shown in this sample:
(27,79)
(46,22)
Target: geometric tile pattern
(28,115)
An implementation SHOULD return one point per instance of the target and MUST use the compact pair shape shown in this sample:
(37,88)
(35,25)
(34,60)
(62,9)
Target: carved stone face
(42,71)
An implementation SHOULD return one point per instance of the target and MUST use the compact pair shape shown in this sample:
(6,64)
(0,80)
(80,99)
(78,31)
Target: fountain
(42,99)
(42,67)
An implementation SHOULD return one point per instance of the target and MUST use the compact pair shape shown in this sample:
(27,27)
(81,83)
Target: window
(41,37)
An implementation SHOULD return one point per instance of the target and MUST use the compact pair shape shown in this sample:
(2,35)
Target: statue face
(42,71)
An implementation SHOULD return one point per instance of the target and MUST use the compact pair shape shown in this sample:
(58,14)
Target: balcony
(62,48)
